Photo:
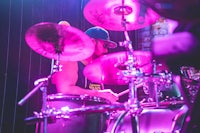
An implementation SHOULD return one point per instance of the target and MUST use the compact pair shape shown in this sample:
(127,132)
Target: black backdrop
(20,66)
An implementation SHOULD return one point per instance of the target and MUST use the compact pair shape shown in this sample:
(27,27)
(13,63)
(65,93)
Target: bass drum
(149,121)
(59,121)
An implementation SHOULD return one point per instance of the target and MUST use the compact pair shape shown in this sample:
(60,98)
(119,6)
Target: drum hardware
(135,73)
(41,84)
(134,106)
(97,109)
(53,113)
(167,103)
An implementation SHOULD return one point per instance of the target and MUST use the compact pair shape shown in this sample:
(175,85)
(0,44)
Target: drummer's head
(66,23)
(101,39)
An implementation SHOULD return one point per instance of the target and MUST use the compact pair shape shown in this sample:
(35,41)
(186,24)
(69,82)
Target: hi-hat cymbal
(107,68)
(50,39)
(109,13)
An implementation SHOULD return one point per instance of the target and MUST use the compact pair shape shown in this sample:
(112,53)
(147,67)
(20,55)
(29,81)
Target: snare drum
(59,121)
(149,121)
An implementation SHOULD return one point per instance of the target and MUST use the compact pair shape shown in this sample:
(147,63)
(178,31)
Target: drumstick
(122,93)
(126,91)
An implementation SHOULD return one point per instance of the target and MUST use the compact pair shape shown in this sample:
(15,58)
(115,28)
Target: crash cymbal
(50,39)
(107,69)
(109,13)
(181,10)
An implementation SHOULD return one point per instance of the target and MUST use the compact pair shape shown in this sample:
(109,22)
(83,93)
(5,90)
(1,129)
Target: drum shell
(75,123)
(164,93)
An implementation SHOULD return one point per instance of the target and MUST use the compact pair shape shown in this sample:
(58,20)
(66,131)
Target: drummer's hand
(108,94)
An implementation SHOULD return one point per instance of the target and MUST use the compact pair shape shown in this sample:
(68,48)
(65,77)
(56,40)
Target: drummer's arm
(65,82)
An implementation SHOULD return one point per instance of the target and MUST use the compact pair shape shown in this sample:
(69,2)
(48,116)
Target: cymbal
(181,10)
(50,39)
(108,14)
(107,68)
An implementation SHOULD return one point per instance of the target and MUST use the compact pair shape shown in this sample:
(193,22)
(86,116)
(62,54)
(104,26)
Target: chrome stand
(132,106)
(42,84)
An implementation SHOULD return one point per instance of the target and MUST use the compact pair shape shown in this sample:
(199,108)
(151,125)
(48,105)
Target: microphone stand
(42,85)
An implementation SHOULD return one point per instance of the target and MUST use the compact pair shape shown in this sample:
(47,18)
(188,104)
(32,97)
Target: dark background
(20,66)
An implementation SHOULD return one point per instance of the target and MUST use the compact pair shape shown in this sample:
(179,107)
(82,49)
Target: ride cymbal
(115,14)
(51,39)
(108,68)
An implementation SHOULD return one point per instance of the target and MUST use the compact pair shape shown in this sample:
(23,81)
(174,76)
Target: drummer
(71,79)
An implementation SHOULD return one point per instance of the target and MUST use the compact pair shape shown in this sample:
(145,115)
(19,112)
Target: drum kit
(131,67)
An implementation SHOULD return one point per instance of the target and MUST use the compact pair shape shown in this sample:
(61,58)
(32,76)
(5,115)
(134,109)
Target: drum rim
(83,97)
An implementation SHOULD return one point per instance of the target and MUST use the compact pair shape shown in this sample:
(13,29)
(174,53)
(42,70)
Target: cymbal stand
(42,85)
(133,106)
(55,68)
(155,87)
